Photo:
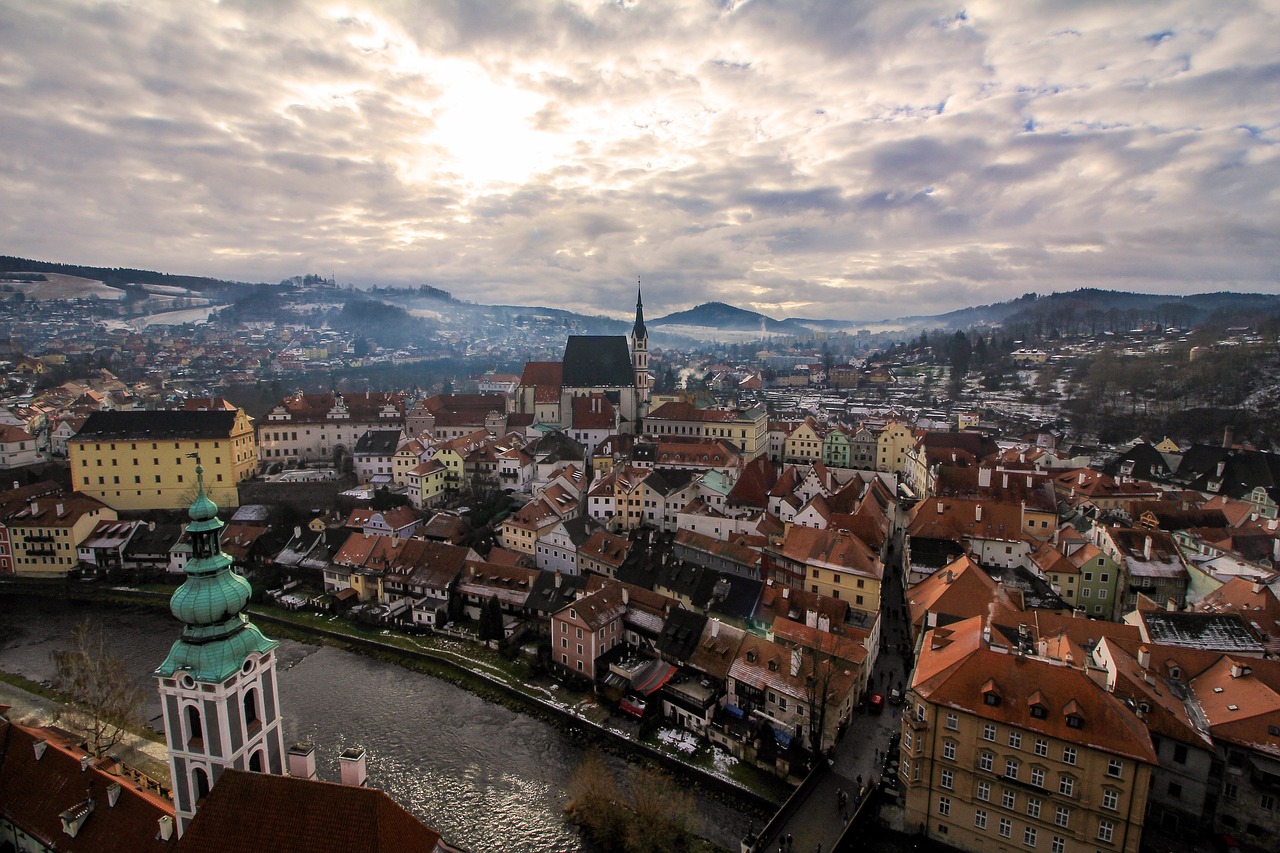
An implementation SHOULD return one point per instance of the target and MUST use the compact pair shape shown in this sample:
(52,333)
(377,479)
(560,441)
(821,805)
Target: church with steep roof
(610,366)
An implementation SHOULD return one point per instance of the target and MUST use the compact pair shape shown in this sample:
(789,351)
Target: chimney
(940,507)
(297,531)
(977,512)
(786,593)
(1239,670)
(166,827)
(85,761)
(626,597)
(151,526)
(811,618)
(984,478)
(40,746)
(1080,481)
(1144,657)
(1029,485)
(1257,584)
(113,794)
(795,662)
(824,623)
(1229,437)
(302,760)
(1146,549)
(58,507)
(354,767)
(559,580)
(1004,480)
(35,508)
(1222,468)
(715,628)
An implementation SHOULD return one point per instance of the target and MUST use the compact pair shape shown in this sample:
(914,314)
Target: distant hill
(114,277)
(722,317)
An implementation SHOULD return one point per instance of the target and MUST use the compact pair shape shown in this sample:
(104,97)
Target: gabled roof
(598,361)
(378,442)
(256,812)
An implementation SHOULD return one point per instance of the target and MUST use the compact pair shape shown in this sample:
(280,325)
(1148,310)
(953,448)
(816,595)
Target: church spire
(638,331)
(640,354)
(218,683)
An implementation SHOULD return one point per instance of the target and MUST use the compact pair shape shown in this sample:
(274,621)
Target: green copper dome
(216,636)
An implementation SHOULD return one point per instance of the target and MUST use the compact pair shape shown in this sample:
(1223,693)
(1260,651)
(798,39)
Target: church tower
(640,354)
(218,684)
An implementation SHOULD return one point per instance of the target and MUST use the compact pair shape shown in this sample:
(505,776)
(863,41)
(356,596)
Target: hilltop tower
(640,353)
(218,684)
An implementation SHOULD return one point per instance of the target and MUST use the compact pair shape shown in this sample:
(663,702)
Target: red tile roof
(256,812)
(34,792)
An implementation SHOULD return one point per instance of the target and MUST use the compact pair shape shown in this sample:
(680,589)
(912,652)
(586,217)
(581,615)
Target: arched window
(255,761)
(200,783)
(195,731)
(251,720)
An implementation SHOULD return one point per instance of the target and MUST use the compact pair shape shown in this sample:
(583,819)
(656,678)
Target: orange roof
(958,667)
(1240,698)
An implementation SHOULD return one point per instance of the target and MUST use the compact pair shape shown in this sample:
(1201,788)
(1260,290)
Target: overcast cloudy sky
(798,157)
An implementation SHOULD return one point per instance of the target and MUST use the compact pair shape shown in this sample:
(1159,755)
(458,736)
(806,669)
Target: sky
(799,158)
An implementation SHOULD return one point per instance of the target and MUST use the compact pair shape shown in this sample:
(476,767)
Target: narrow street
(858,761)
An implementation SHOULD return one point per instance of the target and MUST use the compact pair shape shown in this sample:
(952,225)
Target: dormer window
(1038,708)
(989,694)
(1074,721)
(773,666)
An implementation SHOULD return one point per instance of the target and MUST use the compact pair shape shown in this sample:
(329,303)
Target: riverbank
(487,675)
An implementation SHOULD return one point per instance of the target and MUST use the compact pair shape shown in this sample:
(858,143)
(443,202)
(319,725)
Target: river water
(486,777)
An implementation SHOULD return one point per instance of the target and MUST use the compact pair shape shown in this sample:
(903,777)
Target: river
(488,778)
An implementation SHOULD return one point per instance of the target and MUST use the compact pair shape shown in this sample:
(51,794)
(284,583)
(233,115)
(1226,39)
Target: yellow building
(45,532)
(834,563)
(804,443)
(146,460)
(1002,750)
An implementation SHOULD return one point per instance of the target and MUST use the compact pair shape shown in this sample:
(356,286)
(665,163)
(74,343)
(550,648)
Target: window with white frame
(1062,816)
(1011,768)
(1114,768)
(986,760)
(984,791)
(988,731)
(1110,798)
(1033,806)
(953,721)
(1037,776)
(944,806)
(947,780)
(980,819)
(1058,845)
(949,750)
(1068,755)
(1006,827)
(1066,786)
(1106,829)
(1042,748)
(1029,836)
(1009,799)
(1015,740)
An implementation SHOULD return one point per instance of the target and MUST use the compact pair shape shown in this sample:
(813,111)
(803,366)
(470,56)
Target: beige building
(1002,750)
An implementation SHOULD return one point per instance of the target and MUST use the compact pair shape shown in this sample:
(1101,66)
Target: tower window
(195,731)
(200,783)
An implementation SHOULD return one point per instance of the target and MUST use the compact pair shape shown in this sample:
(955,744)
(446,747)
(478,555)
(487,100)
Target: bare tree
(664,812)
(95,680)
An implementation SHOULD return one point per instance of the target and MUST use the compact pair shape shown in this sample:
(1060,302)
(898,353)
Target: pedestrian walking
(789,841)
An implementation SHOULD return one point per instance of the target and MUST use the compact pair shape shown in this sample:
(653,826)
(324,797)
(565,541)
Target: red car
(876,703)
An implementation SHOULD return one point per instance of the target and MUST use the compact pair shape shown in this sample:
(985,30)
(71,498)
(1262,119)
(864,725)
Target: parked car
(895,696)
(876,703)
